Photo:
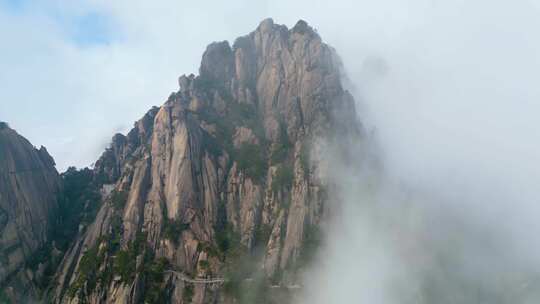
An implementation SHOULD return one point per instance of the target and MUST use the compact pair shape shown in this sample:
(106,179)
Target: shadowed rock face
(29,189)
(228,172)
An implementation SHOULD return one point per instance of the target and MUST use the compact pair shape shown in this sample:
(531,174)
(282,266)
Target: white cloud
(456,113)
(71,97)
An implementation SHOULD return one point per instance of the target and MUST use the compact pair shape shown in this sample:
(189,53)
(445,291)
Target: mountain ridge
(198,172)
(225,183)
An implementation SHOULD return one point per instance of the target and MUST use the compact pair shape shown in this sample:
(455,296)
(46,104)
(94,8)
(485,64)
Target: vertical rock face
(29,189)
(228,172)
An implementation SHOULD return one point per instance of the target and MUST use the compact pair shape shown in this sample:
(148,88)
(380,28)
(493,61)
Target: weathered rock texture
(228,170)
(29,189)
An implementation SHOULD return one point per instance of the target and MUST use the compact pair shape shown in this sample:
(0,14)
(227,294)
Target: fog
(446,89)
(448,92)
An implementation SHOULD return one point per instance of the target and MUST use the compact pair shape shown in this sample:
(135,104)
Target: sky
(448,88)
(75,72)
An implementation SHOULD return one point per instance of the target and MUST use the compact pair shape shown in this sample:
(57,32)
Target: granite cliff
(30,188)
(217,196)
(225,180)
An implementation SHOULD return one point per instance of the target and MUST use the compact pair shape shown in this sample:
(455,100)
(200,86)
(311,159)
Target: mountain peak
(266,24)
(302,27)
(226,161)
(217,62)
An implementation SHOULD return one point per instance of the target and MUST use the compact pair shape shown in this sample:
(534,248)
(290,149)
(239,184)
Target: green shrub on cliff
(283,178)
(119,199)
(250,159)
(173,228)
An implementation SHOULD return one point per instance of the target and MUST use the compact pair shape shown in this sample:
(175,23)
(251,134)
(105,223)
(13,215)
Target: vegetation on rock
(80,203)
(282,147)
(283,178)
(172,228)
(250,159)
(119,199)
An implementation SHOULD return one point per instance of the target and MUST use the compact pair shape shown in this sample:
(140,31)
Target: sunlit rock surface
(226,174)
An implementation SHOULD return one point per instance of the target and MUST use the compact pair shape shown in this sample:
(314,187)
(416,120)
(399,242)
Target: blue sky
(14,5)
(90,29)
(85,29)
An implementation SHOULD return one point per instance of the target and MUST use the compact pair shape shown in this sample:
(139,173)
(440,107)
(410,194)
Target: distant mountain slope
(29,190)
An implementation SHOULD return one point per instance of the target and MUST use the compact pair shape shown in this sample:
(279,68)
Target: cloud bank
(449,90)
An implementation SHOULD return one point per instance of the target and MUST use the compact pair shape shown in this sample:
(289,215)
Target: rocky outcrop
(227,173)
(29,191)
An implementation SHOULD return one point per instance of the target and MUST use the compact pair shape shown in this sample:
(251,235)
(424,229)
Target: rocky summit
(217,196)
